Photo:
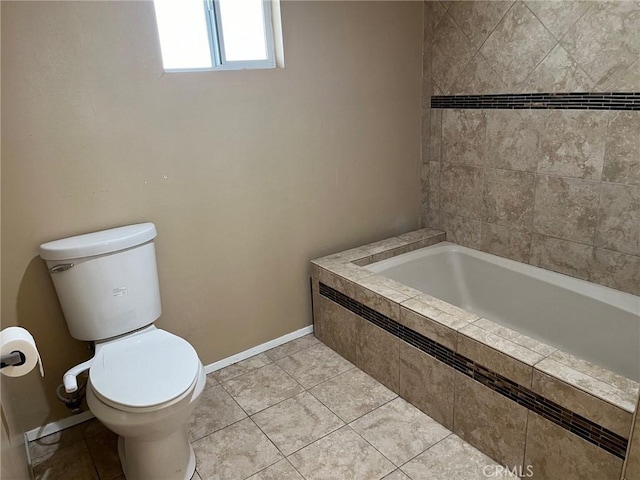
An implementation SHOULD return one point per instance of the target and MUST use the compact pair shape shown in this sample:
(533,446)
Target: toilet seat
(144,372)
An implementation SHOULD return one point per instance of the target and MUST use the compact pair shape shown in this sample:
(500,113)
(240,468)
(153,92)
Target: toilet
(144,382)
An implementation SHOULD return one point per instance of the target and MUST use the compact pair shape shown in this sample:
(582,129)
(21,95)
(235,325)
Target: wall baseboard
(74,420)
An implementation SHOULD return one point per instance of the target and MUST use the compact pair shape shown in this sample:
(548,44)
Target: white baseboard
(225,362)
(74,420)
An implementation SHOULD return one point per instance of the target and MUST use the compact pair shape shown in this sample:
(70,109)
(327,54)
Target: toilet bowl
(144,382)
(137,390)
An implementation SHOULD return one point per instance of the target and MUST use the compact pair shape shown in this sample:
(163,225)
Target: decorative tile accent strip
(567,101)
(584,428)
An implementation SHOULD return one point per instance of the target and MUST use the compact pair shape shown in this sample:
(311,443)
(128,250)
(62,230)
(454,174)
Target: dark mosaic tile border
(566,101)
(584,428)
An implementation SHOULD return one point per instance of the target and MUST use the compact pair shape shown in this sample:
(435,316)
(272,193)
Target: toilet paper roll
(17,338)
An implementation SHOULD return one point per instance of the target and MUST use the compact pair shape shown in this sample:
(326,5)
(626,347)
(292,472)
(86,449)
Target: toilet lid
(144,370)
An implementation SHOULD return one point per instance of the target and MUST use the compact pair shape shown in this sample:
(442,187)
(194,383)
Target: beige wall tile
(489,421)
(562,256)
(566,208)
(478,77)
(558,17)
(460,230)
(508,198)
(478,19)
(554,452)
(427,383)
(435,135)
(338,328)
(461,190)
(494,359)
(558,72)
(434,185)
(377,353)
(622,149)
(430,326)
(627,81)
(582,403)
(619,218)
(623,399)
(617,270)
(451,51)
(513,138)
(463,131)
(517,45)
(573,144)
(506,242)
(605,40)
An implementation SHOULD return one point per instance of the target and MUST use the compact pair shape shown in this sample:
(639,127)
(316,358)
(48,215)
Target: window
(216,34)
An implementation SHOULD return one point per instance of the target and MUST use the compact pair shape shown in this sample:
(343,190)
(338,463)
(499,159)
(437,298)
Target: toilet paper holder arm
(13,359)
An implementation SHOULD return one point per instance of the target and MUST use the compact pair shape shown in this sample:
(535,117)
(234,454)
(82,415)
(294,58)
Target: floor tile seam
(220,382)
(292,353)
(272,443)
(420,453)
(82,440)
(378,407)
(428,448)
(358,417)
(218,430)
(285,372)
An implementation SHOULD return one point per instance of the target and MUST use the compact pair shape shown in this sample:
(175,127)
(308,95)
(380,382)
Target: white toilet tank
(107,282)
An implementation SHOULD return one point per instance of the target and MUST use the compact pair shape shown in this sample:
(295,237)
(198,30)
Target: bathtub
(533,368)
(593,322)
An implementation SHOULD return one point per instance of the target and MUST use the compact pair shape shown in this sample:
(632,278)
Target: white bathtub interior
(596,323)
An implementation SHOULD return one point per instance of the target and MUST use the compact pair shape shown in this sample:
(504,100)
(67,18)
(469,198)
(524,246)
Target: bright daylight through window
(216,34)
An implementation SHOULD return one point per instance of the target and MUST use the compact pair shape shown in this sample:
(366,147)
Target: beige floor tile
(103,448)
(69,463)
(282,470)
(297,422)
(195,476)
(216,410)
(399,430)
(55,441)
(240,368)
(257,390)
(340,455)
(211,381)
(314,365)
(352,394)
(453,458)
(292,347)
(235,452)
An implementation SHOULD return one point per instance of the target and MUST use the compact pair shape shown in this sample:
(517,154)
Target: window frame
(216,42)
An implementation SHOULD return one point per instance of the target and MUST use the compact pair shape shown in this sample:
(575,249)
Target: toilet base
(171,458)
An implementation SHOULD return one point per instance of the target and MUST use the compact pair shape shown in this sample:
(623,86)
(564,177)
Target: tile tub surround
(599,399)
(348,427)
(559,189)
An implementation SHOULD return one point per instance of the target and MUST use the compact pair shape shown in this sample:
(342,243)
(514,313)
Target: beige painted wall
(247,175)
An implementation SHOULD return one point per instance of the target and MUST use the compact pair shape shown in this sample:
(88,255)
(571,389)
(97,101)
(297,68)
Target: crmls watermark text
(499,471)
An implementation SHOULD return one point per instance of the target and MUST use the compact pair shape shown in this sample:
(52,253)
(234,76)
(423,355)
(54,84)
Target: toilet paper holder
(13,359)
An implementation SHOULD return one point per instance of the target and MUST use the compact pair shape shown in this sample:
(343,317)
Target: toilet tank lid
(98,243)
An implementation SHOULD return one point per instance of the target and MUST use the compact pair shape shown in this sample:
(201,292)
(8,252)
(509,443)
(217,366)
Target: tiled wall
(559,189)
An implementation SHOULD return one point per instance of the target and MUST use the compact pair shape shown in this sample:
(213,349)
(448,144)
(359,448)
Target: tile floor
(298,411)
